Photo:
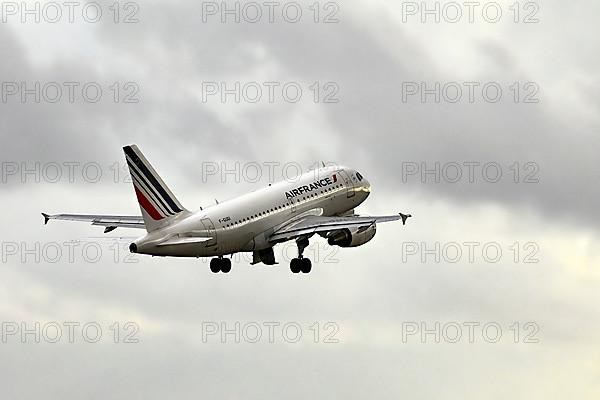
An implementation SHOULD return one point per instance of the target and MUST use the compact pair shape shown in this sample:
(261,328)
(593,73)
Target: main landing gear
(301,264)
(220,264)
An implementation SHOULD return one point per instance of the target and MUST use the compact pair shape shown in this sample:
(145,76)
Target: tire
(215,265)
(305,265)
(295,265)
(226,265)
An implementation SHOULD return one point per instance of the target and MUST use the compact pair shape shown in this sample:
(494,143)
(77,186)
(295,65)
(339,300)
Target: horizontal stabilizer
(110,222)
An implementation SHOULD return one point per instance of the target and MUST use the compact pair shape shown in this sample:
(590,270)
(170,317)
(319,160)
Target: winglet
(46,218)
(404,217)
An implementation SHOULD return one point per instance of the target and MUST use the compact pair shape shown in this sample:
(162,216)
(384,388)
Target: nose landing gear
(301,264)
(220,264)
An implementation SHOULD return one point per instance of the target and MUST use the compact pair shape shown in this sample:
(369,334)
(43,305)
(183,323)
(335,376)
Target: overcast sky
(486,131)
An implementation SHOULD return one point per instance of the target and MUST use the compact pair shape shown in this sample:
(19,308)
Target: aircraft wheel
(215,265)
(305,265)
(295,265)
(226,265)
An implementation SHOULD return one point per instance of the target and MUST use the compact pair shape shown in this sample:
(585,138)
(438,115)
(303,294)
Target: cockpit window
(359,176)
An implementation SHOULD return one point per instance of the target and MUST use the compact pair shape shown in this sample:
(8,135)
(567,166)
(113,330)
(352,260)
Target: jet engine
(351,237)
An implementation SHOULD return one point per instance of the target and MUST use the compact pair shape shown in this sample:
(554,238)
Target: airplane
(321,201)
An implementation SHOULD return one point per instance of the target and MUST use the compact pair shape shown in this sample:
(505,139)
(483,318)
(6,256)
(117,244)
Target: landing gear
(220,264)
(301,264)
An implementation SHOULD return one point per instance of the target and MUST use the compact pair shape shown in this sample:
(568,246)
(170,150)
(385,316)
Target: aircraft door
(210,229)
(294,204)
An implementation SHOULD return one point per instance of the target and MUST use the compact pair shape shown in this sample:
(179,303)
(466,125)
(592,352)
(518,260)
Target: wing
(312,224)
(111,222)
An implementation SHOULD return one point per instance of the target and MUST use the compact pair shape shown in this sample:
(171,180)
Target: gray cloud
(371,117)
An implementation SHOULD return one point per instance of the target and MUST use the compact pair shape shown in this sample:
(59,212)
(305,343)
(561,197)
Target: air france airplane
(320,201)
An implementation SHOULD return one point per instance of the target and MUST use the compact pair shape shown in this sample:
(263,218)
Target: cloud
(370,291)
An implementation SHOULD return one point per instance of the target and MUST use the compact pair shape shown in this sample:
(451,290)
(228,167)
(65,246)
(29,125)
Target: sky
(481,121)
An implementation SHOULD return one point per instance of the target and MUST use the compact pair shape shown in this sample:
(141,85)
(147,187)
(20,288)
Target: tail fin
(157,203)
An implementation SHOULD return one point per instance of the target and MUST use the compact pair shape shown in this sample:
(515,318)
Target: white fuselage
(246,222)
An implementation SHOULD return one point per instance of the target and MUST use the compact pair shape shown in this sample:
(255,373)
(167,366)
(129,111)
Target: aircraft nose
(365,187)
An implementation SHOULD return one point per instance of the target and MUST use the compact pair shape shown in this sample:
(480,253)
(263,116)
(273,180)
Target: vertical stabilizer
(157,203)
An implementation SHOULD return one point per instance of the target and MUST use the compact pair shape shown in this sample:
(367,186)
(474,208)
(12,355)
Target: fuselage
(246,222)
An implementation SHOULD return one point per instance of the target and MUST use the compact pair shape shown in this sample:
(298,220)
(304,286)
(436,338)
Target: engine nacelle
(352,237)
